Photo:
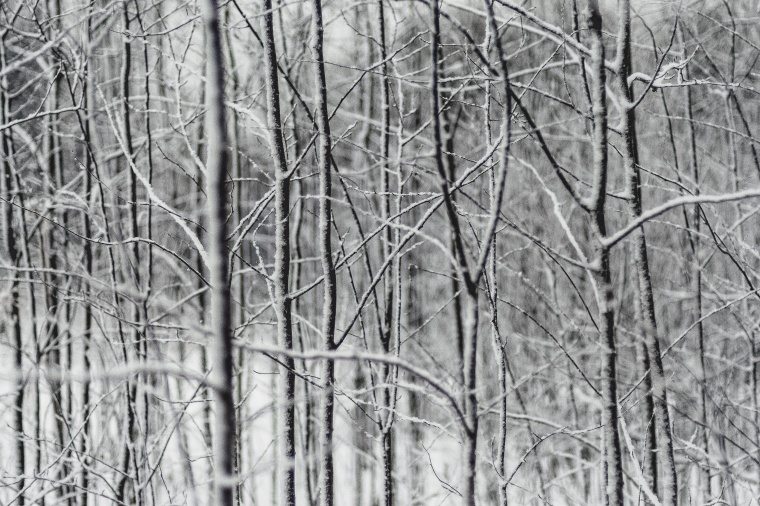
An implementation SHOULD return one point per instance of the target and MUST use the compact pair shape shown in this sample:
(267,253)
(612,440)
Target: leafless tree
(411,252)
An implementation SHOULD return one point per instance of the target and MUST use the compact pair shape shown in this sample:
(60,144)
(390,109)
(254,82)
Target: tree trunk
(328,267)
(658,393)
(326,483)
(387,415)
(282,302)
(221,376)
(9,239)
(696,279)
(611,436)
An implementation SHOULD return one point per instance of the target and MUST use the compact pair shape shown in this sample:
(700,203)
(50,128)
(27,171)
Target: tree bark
(386,417)
(9,239)
(324,147)
(224,444)
(282,302)
(470,276)
(696,280)
(611,436)
(669,483)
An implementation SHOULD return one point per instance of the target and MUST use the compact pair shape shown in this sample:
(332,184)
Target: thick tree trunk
(224,443)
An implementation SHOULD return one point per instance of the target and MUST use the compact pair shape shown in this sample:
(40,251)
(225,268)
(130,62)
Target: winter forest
(379,252)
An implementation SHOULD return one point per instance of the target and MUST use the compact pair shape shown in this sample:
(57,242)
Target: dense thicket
(383,252)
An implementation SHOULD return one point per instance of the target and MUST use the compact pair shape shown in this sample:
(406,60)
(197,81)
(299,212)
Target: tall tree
(324,153)
(220,378)
(646,298)
(11,249)
(282,302)
(611,435)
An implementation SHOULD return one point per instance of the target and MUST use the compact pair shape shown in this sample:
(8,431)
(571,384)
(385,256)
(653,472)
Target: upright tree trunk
(471,289)
(9,239)
(611,436)
(88,97)
(130,451)
(696,280)
(221,376)
(55,340)
(50,257)
(386,416)
(282,302)
(650,460)
(470,275)
(91,140)
(449,161)
(200,230)
(658,393)
(468,460)
(324,148)
(39,354)
(500,352)
(237,260)
(755,381)
(147,275)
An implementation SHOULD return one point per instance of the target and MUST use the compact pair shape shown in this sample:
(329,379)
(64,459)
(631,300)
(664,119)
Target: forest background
(379,252)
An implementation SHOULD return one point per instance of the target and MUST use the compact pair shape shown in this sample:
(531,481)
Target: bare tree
(669,484)
(610,412)
(286,389)
(491,307)
(324,148)
(9,239)
(218,262)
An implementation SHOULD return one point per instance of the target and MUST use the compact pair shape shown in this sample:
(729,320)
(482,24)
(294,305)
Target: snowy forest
(379,252)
